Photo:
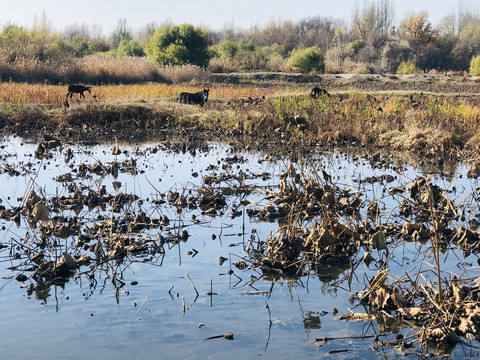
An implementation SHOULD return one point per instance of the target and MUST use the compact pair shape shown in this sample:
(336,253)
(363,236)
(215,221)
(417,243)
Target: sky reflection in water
(161,316)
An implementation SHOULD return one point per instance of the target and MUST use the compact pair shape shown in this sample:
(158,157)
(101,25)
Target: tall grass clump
(128,69)
(97,69)
(183,73)
(222,65)
(24,69)
(407,67)
(475,66)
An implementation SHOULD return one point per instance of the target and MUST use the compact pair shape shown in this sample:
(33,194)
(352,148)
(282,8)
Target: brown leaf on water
(68,260)
(33,198)
(351,316)
(377,241)
(38,257)
(228,336)
(328,198)
(326,176)
(414,313)
(83,260)
(399,300)
(415,187)
(381,298)
(342,231)
(116,185)
(52,144)
(356,202)
(444,334)
(321,238)
(291,171)
(373,210)
(395,190)
(77,195)
(40,212)
(368,258)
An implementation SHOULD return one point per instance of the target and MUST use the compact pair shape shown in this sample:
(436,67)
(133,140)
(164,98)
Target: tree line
(373,42)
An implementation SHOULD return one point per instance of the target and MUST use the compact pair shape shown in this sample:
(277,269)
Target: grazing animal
(78,89)
(316,91)
(198,98)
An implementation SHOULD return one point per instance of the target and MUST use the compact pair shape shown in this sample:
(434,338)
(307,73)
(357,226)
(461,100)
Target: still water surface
(156,314)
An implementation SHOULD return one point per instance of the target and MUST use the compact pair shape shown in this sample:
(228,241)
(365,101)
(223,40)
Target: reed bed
(43,94)
(96,69)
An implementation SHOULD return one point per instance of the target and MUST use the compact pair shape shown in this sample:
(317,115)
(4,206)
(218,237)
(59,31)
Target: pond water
(147,306)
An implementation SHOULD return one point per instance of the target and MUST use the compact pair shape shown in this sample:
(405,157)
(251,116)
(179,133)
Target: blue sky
(213,14)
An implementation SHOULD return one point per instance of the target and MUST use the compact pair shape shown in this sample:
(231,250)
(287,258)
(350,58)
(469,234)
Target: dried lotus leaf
(377,241)
(40,212)
(356,317)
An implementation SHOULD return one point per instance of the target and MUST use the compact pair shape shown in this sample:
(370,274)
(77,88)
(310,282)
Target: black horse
(77,89)
(316,91)
(198,98)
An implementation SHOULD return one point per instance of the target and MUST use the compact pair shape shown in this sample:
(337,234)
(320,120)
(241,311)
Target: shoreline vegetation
(406,94)
(433,116)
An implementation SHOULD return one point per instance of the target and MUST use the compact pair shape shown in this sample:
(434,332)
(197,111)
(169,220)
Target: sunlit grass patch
(22,93)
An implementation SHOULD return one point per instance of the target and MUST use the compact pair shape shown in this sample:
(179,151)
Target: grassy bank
(426,123)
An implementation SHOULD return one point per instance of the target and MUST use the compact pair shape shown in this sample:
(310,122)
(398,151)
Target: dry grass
(97,69)
(23,93)
(346,67)
(41,94)
(432,123)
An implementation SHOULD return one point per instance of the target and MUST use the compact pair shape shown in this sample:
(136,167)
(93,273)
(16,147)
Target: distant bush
(237,55)
(274,60)
(130,48)
(407,67)
(475,66)
(305,60)
(227,48)
(179,45)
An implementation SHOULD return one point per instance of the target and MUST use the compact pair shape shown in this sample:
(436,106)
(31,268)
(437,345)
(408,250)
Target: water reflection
(120,225)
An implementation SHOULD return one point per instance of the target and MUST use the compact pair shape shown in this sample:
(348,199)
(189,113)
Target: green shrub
(407,67)
(227,48)
(130,48)
(179,45)
(305,60)
(475,66)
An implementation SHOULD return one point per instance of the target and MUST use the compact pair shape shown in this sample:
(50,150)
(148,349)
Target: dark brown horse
(77,89)
(316,91)
(198,98)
